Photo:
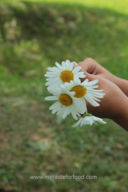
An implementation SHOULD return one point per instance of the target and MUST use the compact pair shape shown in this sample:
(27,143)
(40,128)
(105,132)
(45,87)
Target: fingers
(89,65)
(90,77)
(84,65)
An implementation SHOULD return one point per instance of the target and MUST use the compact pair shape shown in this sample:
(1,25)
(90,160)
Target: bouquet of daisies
(70,95)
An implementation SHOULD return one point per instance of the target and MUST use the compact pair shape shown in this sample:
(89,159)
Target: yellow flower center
(66,76)
(65,99)
(79,90)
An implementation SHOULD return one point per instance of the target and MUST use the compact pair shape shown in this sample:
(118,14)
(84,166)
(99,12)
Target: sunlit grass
(117,5)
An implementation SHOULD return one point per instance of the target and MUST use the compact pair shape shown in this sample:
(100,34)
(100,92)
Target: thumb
(90,77)
(84,65)
(88,65)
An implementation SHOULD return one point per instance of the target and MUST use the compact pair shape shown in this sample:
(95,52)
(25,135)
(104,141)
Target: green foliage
(33,36)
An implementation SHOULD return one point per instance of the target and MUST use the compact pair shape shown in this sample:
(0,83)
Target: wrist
(110,76)
(122,84)
(116,80)
(122,118)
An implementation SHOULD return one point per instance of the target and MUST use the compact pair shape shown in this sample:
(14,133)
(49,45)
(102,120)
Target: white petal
(55,107)
(76,69)
(80,105)
(51,98)
(93,82)
(91,100)
(88,120)
(58,65)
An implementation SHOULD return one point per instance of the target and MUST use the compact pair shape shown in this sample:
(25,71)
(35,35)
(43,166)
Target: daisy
(65,102)
(66,72)
(86,91)
(88,120)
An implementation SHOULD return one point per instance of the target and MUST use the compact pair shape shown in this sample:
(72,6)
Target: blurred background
(33,35)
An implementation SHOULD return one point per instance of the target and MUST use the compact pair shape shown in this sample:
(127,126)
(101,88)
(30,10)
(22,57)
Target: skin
(114,105)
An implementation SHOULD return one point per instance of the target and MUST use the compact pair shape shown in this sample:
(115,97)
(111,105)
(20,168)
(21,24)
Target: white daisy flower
(65,102)
(86,90)
(88,120)
(65,72)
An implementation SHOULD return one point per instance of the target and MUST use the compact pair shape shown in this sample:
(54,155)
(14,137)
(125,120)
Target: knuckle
(89,59)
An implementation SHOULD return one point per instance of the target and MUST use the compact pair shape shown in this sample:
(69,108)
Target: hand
(92,67)
(114,105)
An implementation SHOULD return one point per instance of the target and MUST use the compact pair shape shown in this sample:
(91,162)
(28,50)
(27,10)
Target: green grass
(33,36)
(116,5)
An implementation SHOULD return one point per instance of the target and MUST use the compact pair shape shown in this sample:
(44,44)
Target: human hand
(114,105)
(90,66)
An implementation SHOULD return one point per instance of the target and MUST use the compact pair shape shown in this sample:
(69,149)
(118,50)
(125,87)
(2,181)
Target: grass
(33,36)
(116,5)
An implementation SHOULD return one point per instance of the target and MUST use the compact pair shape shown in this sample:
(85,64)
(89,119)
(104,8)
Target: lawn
(33,142)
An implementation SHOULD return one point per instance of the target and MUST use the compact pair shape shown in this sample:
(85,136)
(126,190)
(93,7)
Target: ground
(33,142)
